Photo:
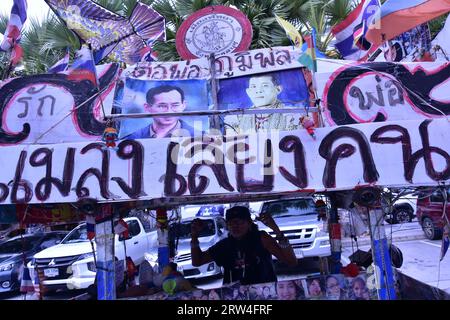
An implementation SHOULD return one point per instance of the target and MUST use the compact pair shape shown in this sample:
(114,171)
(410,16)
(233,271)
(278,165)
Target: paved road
(420,255)
(421,262)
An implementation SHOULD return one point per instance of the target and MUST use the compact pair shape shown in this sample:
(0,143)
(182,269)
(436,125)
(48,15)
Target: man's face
(262,91)
(166,102)
(238,228)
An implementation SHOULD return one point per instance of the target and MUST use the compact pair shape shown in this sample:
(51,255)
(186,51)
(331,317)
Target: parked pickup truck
(297,218)
(70,264)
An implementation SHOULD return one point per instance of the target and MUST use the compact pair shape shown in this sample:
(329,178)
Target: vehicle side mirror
(219,231)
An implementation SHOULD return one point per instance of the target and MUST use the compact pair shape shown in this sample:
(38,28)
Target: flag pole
(313,80)
(9,68)
(317,99)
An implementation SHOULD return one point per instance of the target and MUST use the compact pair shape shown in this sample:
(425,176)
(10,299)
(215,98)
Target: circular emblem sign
(214,29)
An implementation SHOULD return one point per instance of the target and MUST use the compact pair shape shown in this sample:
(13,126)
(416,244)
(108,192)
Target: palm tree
(266,31)
(4,57)
(304,14)
(321,15)
(46,41)
(43,41)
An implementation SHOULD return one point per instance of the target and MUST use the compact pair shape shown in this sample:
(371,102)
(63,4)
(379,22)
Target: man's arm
(281,249)
(198,256)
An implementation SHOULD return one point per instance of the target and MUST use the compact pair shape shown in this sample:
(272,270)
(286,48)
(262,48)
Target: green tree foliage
(46,41)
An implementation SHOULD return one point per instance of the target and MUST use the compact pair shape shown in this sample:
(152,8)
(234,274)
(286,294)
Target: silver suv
(213,231)
(298,220)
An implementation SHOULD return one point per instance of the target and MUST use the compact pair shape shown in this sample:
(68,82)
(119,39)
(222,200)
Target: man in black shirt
(246,254)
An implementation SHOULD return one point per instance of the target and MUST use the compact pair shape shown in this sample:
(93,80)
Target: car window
(77,235)
(183,229)
(18,246)
(133,228)
(221,223)
(47,243)
(437,197)
(291,207)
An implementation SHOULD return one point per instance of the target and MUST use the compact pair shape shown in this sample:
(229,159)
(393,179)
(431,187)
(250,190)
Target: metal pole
(104,240)
(163,238)
(335,236)
(384,274)
(210,113)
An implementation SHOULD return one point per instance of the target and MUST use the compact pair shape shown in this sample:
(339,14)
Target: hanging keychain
(110,136)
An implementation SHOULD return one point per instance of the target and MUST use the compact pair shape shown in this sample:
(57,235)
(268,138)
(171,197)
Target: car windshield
(77,235)
(18,246)
(290,208)
(183,229)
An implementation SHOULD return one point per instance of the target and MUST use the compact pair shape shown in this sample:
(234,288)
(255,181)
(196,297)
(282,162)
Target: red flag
(121,229)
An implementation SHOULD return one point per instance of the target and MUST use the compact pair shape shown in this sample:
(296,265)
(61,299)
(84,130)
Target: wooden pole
(214,119)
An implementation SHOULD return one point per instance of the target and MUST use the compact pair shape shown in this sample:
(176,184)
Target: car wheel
(431,232)
(402,215)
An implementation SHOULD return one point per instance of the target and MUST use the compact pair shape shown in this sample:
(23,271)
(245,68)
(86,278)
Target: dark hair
(272,75)
(161,89)
(319,280)
(240,212)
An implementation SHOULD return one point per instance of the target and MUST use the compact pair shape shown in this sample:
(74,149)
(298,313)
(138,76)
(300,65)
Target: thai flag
(398,16)
(61,65)
(83,67)
(121,229)
(12,34)
(356,23)
(26,285)
(15,24)
(148,55)
(90,227)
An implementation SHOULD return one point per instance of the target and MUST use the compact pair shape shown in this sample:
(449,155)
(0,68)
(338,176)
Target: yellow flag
(291,32)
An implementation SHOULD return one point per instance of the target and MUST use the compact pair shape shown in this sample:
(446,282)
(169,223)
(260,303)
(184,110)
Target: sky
(36,8)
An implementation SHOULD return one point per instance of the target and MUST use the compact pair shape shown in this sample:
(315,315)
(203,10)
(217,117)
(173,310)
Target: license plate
(52,272)
(298,253)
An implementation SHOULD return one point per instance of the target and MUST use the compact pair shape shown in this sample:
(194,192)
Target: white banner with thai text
(402,153)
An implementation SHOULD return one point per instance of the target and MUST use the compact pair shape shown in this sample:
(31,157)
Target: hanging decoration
(110,136)
(109,34)
(309,125)
(163,238)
